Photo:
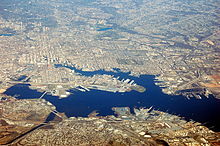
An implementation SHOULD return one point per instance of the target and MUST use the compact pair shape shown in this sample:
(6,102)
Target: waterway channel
(79,103)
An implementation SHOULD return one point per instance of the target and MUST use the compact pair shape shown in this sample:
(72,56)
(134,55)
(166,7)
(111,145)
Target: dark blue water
(104,29)
(82,103)
(6,34)
(115,73)
(21,78)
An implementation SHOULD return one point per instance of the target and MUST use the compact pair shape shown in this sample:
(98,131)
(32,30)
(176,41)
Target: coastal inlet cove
(80,104)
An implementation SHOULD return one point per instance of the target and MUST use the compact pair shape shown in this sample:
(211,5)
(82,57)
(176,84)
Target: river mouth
(80,104)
